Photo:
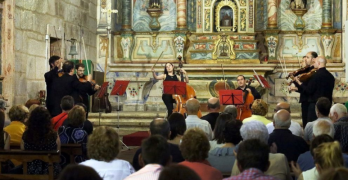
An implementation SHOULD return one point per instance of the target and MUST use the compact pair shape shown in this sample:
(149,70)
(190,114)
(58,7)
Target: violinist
(308,61)
(169,75)
(320,84)
(243,86)
(87,88)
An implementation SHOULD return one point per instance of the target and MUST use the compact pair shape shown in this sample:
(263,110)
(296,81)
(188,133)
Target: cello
(244,111)
(180,100)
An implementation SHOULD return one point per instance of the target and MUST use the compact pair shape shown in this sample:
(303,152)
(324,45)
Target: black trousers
(308,113)
(168,101)
(304,109)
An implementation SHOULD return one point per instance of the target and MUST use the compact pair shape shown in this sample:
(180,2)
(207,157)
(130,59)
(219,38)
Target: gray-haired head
(254,130)
(282,119)
(323,126)
(232,110)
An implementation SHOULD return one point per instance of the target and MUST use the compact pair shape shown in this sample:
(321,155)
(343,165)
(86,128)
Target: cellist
(169,75)
(243,86)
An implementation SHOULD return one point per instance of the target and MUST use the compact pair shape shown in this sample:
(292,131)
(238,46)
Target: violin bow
(286,70)
(299,63)
(157,60)
(223,73)
(84,48)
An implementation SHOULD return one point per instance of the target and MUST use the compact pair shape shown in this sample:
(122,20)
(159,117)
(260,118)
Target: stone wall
(30,27)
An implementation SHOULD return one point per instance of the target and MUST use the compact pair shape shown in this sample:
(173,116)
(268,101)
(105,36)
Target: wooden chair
(25,156)
(72,150)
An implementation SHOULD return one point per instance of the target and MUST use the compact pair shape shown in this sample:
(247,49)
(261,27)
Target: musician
(169,75)
(55,67)
(321,84)
(87,88)
(242,86)
(307,61)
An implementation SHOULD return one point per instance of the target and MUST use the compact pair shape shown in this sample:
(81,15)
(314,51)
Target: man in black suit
(242,86)
(55,66)
(214,109)
(321,84)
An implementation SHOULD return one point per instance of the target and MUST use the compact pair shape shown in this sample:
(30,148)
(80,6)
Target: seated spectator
(222,158)
(295,127)
(279,166)
(334,174)
(194,148)
(161,127)
(67,103)
(287,143)
(252,160)
(232,110)
(326,155)
(177,128)
(102,148)
(154,156)
(40,136)
(219,138)
(259,110)
(323,126)
(4,136)
(338,115)
(322,109)
(214,111)
(178,172)
(32,107)
(78,172)
(74,134)
(18,115)
(3,109)
(87,125)
(192,120)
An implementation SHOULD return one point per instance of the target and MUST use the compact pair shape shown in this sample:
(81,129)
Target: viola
(244,111)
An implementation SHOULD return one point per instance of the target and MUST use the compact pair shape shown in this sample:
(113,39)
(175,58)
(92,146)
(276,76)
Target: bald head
(282,119)
(283,105)
(192,106)
(160,126)
(320,62)
(213,104)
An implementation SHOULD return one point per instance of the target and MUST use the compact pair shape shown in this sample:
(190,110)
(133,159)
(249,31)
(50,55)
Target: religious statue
(298,4)
(226,20)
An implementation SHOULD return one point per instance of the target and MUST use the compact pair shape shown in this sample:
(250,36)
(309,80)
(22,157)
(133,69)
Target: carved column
(181,17)
(327,14)
(127,15)
(272,14)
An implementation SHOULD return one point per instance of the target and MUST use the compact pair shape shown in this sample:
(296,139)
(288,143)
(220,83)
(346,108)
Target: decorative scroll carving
(207,19)
(243,3)
(224,48)
(103,4)
(233,6)
(243,19)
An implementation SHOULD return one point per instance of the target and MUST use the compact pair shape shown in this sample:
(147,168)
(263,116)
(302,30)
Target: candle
(266,59)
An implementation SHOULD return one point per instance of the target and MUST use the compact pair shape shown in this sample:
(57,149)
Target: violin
(303,74)
(244,111)
(300,71)
(85,79)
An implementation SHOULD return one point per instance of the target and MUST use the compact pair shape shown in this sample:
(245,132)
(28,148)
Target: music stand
(262,81)
(119,89)
(174,87)
(231,97)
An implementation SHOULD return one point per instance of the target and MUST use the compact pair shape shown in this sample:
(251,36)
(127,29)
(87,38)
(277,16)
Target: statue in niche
(298,4)
(226,20)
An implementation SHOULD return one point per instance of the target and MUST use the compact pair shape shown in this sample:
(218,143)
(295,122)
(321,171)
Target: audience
(232,110)
(87,125)
(177,128)
(3,105)
(40,136)
(338,115)
(323,126)
(322,109)
(4,136)
(279,166)
(214,111)
(154,156)
(252,160)
(222,158)
(67,103)
(287,143)
(259,108)
(32,107)
(178,172)
(102,148)
(78,172)
(334,174)
(18,115)
(161,127)
(295,127)
(194,148)
(192,120)
(219,139)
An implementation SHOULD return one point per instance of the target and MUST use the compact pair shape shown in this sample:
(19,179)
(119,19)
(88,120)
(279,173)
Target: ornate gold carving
(243,19)
(207,3)
(103,43)
(103,4)
(217,14)
(242,3)
(207,20)
(223,41)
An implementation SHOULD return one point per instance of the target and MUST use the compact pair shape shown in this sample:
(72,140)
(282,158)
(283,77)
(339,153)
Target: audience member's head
(337,111)
(259,107)
(282,119)
(160,126)
(232,132)
(328,155)
(213,104)
(254,130)
(323,126)
(18,113)
(178,172)
(320,62)
(2,105)
(232,110)
(282,105)
(253,153)
(192,106)
(322,107)
(195,145)
(76,116)
(220,126)
(155,150)
(103,144)
(78,172)
(177,125)
(67,103)
(340,173)
(84,107)
(32,107)
(320,139)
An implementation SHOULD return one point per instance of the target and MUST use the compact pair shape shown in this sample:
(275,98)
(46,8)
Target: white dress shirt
(193,121)
(148,172)
(114,170)
(295,128)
